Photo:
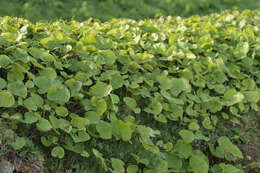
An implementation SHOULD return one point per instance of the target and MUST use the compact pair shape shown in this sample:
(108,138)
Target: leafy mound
(36,10)
(154,95)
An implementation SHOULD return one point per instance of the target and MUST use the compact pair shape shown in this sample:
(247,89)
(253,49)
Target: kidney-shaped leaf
(229,147)
(104,129)
(101,89)
(198,164)
(6,99)
(44,125)
(30,118)
(179,85)
(58,152)
(59,94)
(187,135)
(118,165)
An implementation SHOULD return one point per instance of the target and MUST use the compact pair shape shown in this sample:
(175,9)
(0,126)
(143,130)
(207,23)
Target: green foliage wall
(127,96)
(36,10)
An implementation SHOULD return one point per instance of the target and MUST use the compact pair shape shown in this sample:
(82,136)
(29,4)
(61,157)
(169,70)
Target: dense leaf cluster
(135,96)
(36,10)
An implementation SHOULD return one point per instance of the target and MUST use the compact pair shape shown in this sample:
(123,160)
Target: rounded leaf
(30,118)
(132,169)
(58,152)
(19,143)
(58,94)
(44,125)
(4,61)
(6,99)
(198,164)
(105,130)
(187,135)
(101,89)
(130,102)
(61,111)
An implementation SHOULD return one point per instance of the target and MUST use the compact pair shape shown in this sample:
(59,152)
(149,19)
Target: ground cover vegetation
(36,10)
(169,94)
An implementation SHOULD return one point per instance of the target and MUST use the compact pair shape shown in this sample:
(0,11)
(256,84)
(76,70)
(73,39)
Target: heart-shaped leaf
(6,99)
(43,125)
(187,135)
(58,152)
(101,89)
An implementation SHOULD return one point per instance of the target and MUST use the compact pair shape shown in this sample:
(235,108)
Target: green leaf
(116,81)
(156,107)
(33,102)
(79,122)
(9,134)
(54,121)
(10,37)
(41,54)
(6,99)
(3,83)
(43,83)
(49,140)
(64,125)
(104,129)
(214,105)
(132,169)
(183,149)
(122,129)
(194,126)
(93,117)
(161,118)
(29,84)
(80,136)
(241,50)
(4,61)
(180,85)
(109,57)
(207,123)
(165,82)
(118,165)
(61,111)
(16,116)
(232,97)
(30,118)
(17,88)
(74,86)
(48,73)
(228,168)
(187,135)
(130,102)
(252,96)
(149,146)
(58,152)
(187,73)
(101,89)
(114,98)
(161,166)
(176,112)
(198,164)
(58,94)
(19,143)
(43,125)
(20,55)
(45,141)
(229,147)
(84,153)
(100,157)
(15,75)
(174,162)
(101,106)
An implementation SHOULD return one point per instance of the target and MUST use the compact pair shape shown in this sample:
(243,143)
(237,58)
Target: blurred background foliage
(36,10)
